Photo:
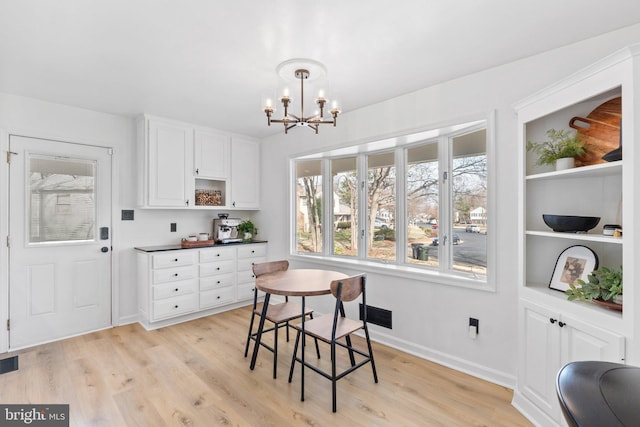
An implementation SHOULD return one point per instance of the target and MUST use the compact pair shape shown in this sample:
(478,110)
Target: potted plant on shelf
(246,230)
(603,286)
(561,149)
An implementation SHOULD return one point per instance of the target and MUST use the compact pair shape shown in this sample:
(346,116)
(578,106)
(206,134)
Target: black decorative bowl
(570,223)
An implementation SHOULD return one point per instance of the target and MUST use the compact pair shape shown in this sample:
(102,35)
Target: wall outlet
(174,227)
(473,328)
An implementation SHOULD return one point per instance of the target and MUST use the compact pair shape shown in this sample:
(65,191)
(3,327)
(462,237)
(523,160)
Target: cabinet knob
(561,324)
(253,252)
(218,268)
(175,260)
(217,254)
(552,320)
(218,297)
(218,282)
(197,171)
(175,306)
(175,274)
(176,289)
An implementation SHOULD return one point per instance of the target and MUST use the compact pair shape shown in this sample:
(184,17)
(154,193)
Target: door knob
(104,249)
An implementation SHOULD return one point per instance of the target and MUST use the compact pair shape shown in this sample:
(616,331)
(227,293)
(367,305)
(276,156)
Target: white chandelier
(302,71)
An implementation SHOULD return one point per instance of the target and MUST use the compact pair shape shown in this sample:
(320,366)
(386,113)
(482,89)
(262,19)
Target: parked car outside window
(456,240)
(472,228)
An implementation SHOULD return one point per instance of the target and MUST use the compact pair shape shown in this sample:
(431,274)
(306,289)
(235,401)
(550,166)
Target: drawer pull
(175,274)
(253,252)
(217,254)
(218,297)
(175,306)
(218,282)
(175,260)
(176,289)
(218,268)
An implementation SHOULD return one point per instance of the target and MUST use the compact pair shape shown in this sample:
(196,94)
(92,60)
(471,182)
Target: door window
(61,199)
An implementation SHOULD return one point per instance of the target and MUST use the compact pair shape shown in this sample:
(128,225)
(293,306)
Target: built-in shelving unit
(553,330)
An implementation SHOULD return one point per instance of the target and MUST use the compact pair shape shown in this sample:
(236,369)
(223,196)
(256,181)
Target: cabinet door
(581,341)
(540,357)
(170,165)
(245,174)
(211,155)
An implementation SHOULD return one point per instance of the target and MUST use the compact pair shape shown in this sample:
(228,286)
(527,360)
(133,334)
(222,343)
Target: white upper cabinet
(245,173)
(184,166)
(167,164)
(211,154)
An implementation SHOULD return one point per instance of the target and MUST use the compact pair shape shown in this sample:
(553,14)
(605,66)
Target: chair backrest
(270,267)
(352,287)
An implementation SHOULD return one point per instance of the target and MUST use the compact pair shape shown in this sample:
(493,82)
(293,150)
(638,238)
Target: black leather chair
(599,394)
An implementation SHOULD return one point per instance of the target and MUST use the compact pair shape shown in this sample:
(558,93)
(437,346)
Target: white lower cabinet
(183,284)
(247,256)
(549,341)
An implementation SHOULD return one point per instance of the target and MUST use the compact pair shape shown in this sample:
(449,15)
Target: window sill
(395,270)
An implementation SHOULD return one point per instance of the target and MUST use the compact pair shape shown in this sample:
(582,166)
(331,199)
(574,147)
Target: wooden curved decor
(600,131)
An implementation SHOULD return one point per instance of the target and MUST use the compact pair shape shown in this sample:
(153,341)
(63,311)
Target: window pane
(381,206)
(345,206)
(422,204)
(469,197)
(309,206)
(62,197)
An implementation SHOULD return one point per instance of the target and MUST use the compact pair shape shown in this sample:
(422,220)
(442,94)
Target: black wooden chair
(278,314)
(333,327)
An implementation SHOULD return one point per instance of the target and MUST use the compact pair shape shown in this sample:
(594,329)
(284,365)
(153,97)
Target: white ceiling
(212,62)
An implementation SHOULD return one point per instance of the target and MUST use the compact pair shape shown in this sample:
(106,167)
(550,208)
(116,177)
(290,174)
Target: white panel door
(245,174)
(60,240)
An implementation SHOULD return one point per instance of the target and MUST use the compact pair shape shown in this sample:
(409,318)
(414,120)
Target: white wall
(431,319)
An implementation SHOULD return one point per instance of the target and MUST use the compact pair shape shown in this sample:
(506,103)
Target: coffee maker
(225,229)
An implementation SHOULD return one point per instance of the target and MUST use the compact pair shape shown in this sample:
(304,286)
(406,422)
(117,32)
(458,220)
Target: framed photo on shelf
(575,262)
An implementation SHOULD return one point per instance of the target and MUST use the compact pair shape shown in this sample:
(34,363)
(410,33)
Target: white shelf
(577,236)
(601,169)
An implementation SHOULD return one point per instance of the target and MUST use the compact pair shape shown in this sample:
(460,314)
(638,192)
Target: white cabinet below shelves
(551,340)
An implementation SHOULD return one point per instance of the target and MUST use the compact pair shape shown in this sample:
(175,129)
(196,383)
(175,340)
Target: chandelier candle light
(302,72)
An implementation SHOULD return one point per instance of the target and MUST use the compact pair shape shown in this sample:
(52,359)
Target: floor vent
(9,364)
(377,316)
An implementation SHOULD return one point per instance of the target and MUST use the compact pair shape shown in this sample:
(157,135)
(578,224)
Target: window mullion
(444,205)
(401,206)
(363,244)
(327,208)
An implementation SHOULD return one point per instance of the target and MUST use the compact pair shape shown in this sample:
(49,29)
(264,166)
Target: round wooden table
(297,283)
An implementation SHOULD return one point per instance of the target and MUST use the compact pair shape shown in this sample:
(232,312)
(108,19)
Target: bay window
(418,202)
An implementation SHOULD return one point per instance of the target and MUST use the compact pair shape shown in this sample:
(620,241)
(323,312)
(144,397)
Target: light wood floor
(194,374)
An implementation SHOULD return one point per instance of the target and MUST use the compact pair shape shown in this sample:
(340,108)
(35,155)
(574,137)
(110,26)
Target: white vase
(565,163)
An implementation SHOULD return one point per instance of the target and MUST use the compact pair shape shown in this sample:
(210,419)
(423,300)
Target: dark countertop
(164,248)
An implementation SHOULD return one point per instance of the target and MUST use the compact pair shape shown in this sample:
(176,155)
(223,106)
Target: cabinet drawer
(247,263)
(216,297)
(173,259)
(218,281)
(246,276)
(245,292)
(174,274)
(173,289)
(250,251)
(175,306)
(216,254)
(213,268)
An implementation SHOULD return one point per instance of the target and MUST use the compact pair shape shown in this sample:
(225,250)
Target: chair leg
(373,364)
(275,348)
(351,356)
(293,359)
(287,331)
(246,348)
(316,340)
(333,375)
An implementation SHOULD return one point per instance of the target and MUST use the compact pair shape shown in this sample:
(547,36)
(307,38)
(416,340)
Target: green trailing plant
(247,226)
(602,284)
(560,144)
